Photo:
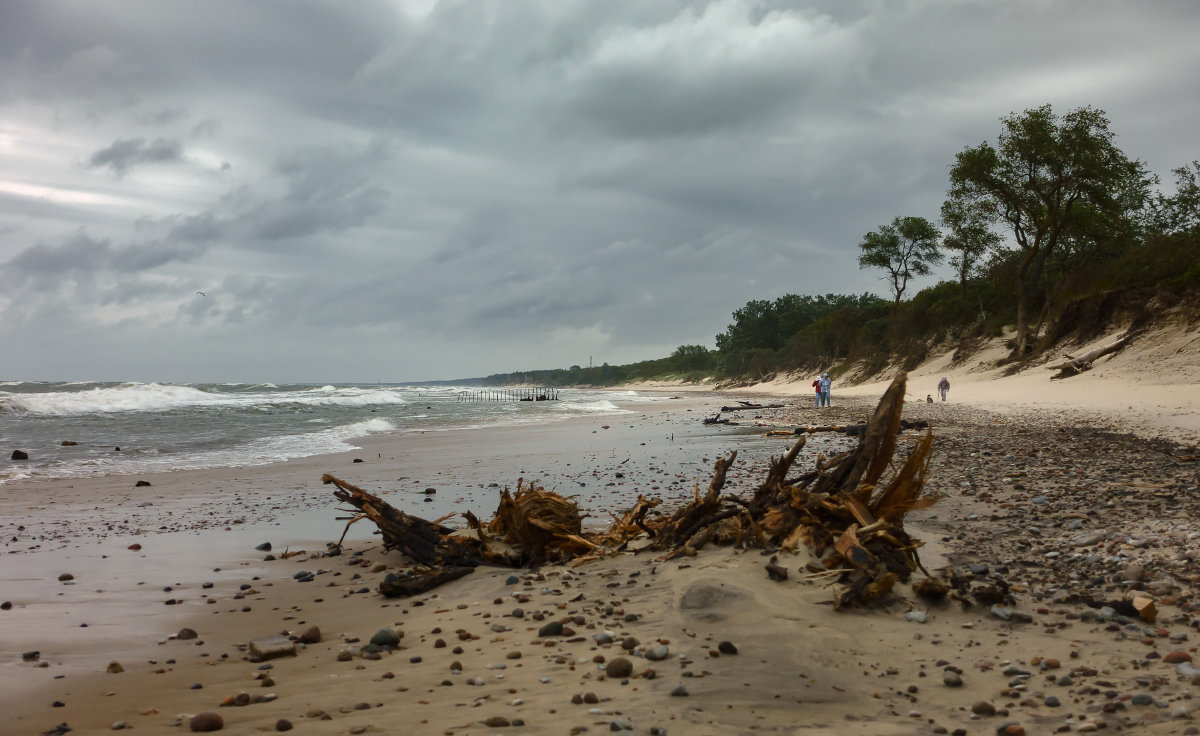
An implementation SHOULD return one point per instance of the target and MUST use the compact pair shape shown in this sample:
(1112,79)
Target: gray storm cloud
(454,188)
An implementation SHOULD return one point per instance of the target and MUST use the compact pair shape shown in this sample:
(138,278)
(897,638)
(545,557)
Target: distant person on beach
(823,386)
(943,387)
(817,389)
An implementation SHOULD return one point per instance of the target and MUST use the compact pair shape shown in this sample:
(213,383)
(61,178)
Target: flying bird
(201,293)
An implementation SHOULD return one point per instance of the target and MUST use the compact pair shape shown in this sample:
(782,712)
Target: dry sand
(800,667)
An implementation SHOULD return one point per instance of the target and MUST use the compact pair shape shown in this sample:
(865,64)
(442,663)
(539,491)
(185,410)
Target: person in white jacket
(824,385)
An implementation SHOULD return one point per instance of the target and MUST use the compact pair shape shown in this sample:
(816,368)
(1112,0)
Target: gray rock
(952,679)
(1133,571)
(1002,613)
(386,638)
(554,628)
(658,652)
(917,617)
(269,647)
(679,692)
(1087,539)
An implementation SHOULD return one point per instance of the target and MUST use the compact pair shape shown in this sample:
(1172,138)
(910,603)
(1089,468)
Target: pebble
(311,635)
(658,652)
(206,721)
(283,724)
(386,638)
(952,679)
(679,691)
(618,667)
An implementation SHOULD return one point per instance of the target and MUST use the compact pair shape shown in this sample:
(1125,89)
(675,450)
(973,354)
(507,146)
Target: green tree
(906,248)
(970,237)
(1048,178)
(1180,212)
(691,358)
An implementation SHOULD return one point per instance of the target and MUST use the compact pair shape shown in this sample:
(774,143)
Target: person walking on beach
(817,389)
(943,387)
(823,386)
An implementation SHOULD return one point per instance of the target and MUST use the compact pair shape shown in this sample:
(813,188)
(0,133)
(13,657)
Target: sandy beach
(1071,503)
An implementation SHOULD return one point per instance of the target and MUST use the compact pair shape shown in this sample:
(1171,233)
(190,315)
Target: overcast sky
(415,190)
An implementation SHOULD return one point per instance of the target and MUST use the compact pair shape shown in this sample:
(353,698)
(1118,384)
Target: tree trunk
(1022,318)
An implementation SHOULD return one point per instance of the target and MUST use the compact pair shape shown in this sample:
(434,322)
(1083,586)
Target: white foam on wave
(259,452)
(136,397)
(603,406)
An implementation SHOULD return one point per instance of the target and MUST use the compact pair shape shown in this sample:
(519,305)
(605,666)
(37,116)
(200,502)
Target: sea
(80,429)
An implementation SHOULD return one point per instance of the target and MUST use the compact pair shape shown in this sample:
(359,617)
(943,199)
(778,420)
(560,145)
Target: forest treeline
(1051,230)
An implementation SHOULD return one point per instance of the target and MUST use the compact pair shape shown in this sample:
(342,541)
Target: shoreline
(84,526)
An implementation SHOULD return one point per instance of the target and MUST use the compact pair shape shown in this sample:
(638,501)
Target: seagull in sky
(201,293)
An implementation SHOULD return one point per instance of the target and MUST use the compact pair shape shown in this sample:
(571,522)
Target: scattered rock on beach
(115,668)
(142,484)
(311,635)
(65,577)
(386,638)
(206,721)
(6,606)
(20,455)
(186,634)
(618,668)
(269,647)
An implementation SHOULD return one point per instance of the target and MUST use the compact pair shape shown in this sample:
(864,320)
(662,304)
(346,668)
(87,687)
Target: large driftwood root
(849,511)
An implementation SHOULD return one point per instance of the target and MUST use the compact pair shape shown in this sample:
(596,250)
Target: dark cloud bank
(431,190)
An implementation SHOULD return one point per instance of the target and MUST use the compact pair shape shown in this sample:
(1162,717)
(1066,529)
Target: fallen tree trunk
(1075,366)
(743,406)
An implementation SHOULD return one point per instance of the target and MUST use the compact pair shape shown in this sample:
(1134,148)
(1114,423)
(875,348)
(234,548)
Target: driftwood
(744,405)
(1074,366)
(849,510)
(426,542)
(401,586)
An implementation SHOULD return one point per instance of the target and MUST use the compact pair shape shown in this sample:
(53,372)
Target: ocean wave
(259,452)
(156,397)
(603,406)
